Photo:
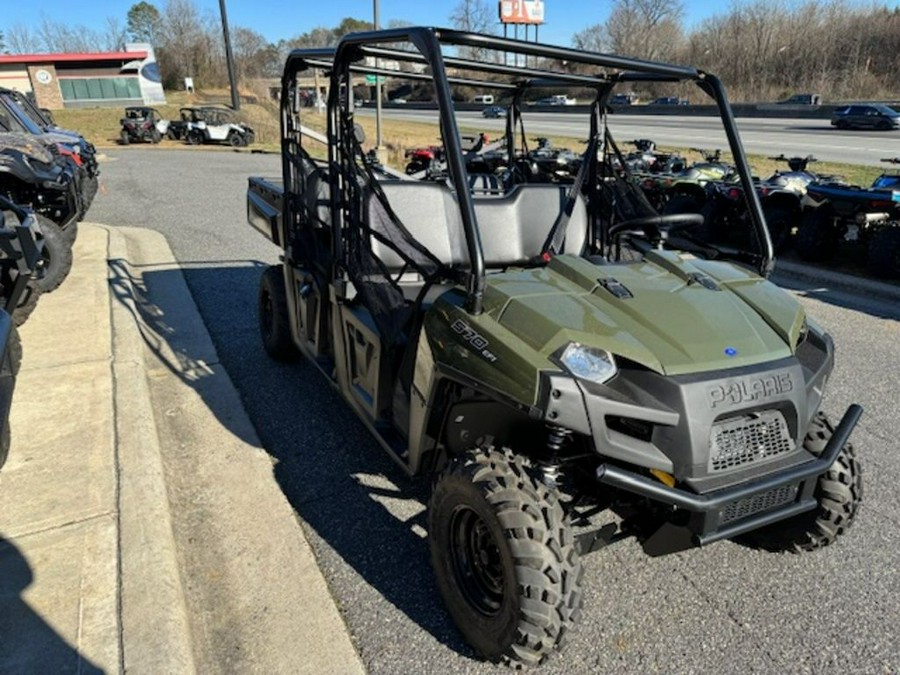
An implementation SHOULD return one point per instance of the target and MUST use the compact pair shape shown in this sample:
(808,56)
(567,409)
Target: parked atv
(20,260)
(18,115)
(19,256)
(422,159)
(646,158)
(218,125)
(550,164)
(82,149)
(550,353)
(682,189)
(870,217)
(143,124)
(32,176)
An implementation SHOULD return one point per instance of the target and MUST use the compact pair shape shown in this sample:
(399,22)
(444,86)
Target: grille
(739,441)
(758,503)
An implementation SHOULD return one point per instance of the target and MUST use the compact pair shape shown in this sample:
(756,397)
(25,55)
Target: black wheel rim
(476,561)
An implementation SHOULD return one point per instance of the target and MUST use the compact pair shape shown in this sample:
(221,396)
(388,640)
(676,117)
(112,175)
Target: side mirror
(358,133)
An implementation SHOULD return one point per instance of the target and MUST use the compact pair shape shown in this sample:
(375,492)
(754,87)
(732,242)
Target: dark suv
(866,116)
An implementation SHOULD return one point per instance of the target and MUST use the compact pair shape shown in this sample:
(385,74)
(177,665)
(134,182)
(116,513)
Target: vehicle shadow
(881,307)
(27,643)
(355,504)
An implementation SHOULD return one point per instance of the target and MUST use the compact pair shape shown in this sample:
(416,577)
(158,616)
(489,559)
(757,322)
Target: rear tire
(781,224)
(274,321)
(884,253)
(838,491)
(27,302)
(56,256)
(194,138)
(504,557)
(5,442)
(155,136)
(14,362)
(70,232)
(817,240)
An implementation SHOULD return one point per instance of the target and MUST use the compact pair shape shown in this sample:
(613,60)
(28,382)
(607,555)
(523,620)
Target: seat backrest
(513,227)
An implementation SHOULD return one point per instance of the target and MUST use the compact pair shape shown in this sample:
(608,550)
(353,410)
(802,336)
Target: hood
(670,313)
(32,147)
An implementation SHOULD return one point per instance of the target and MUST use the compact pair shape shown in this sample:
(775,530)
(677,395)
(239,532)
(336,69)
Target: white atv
(217,126)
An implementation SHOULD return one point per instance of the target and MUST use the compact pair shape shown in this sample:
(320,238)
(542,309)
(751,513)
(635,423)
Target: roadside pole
(378,148)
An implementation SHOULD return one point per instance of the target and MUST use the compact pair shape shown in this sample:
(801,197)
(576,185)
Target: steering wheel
(654,227)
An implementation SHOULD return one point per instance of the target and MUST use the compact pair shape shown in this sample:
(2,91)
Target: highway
(762,136)
(722,609)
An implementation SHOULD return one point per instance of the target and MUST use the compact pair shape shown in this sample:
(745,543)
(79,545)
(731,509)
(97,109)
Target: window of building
(99,88)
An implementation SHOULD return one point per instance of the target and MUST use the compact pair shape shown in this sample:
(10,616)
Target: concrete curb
(840,280)
(155,628)
(256,599)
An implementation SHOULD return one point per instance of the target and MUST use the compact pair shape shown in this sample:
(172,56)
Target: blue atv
(869,216)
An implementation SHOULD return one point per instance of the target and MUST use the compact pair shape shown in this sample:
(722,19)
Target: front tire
(56,256)
(124,137)
(274,321)
(504,557)
(235,140)
(838,491)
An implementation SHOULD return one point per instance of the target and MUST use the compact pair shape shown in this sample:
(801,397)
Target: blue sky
(277,19)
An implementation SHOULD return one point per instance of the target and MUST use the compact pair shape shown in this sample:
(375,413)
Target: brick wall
(47,94)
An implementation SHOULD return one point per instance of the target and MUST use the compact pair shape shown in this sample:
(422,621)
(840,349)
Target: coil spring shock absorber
(557,439)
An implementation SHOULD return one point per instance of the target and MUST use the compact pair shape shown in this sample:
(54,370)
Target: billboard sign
(522,11)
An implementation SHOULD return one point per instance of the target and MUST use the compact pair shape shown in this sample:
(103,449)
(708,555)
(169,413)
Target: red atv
(420,159)
(142,124)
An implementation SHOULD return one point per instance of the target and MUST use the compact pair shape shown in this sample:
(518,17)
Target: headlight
(588,363)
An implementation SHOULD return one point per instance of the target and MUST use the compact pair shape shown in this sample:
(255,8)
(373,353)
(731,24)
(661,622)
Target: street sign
(370,79)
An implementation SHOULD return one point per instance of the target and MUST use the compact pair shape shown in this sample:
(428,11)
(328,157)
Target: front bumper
(719,514)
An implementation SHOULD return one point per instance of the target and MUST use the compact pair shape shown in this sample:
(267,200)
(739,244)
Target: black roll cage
(349,57)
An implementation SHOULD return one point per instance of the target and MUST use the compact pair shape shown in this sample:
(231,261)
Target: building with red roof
(86,80)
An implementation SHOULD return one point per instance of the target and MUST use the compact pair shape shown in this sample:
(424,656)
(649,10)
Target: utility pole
(377,91)
(229,59)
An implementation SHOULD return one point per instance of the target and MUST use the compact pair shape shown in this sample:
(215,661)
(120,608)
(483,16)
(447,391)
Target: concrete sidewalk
(141,527)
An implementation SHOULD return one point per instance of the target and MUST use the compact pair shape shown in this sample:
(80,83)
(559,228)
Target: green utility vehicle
(554,356)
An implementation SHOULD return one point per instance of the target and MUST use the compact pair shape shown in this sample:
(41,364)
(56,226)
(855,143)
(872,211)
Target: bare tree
(592,39)
(474,16)
(22,40)
(648,29)
(189,45)
(115,36)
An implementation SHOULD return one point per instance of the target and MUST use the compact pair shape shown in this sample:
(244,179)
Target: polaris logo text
(476,341)
(747,391)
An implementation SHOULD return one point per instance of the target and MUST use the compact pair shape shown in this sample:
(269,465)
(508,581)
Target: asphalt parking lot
(727,608)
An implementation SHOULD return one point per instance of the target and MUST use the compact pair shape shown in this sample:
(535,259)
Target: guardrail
(775,110)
